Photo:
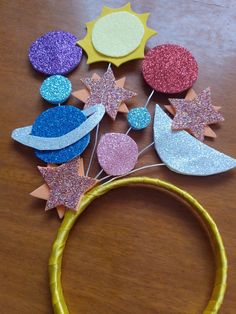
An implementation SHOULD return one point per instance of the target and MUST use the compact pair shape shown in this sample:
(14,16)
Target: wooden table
(134,250)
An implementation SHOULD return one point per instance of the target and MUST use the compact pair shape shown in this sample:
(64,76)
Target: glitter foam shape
(183,153)
(65,184)
(55,52)
(196,114)
(60,134)
(117,153)
(139,118)
(96,56)
(56,89)
(83,94)
(169,68)
(106,92)
(25,137)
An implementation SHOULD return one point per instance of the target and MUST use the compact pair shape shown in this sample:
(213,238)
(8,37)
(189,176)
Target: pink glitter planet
(169,68)
(117,153)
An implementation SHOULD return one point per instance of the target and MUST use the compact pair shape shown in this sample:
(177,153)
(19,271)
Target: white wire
(127,132)
(132,171)
(99,173)
(95,143)
(106,177)
(93,151)
(142,151)
(149,98)
(145,148)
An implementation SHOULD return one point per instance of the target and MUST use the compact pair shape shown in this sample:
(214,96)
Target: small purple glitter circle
(55,52)
(117,153)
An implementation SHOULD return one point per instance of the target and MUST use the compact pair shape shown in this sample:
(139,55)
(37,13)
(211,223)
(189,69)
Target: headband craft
(61,134)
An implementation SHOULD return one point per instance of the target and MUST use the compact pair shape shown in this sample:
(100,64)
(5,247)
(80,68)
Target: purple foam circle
(55,52)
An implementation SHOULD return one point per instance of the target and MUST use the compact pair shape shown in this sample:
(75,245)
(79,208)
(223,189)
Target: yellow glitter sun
(116,36)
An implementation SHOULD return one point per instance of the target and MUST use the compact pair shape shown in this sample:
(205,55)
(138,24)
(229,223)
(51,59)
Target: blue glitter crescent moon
(183,153)
(60,134)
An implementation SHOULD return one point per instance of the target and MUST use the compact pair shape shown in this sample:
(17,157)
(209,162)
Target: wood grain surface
(135,250)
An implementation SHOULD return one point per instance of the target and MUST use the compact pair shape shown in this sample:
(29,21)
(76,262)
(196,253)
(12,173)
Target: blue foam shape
(25,137)
(183,153)
(139,118)
(55,122)
(56,89)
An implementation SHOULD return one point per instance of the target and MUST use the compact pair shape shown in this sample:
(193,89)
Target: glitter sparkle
(183,153)
(139,118)
(191,94)
(65,184)
(55,52)
(169,68)
(105,91)
(194,115)
(83,94)
(56,89)
(117,153)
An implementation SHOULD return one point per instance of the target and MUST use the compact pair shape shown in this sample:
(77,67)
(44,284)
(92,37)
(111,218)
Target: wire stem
(149,98)
(99,173)
(145,148)
(132,171)
(93,151)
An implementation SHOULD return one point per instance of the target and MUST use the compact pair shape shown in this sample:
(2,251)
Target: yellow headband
(58,301)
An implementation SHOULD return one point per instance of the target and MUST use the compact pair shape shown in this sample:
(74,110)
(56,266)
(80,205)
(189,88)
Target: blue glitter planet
(56,122)
(56,89)
(139,118)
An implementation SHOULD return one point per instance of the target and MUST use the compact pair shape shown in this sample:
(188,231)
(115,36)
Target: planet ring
(23,135)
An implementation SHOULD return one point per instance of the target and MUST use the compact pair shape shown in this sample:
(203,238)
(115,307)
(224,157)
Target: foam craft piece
(61,133)
(117,34)
(56,89)
(195,114)
(184,154)
(55,53)
(83,94)
(117,153)
(23,135)
(107,93)
(95,56)
(191,94)
(169,68)
(43,191)
(66,185)
(139,118)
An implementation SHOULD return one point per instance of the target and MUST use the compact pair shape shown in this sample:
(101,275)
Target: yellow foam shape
(117,34)
(96,56)
(55,260)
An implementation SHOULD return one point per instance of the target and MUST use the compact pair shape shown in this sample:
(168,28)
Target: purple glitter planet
(117,153)
(55,52)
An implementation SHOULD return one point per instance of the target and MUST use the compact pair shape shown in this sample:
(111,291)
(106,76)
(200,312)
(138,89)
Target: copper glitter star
(105,91)
(191,94)
(66,186)
(43,191)
(83,94)
(194,115)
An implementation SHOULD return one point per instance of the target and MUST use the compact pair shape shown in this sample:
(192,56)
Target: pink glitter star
(194,115)
(106,92)
(65,184)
